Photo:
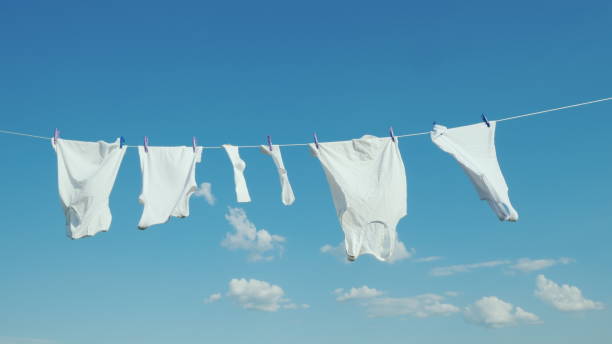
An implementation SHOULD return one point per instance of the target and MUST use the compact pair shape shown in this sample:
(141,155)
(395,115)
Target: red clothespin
(391,134)
(56,135)
(146,144)
(316,140)
(194,143)
(269,143)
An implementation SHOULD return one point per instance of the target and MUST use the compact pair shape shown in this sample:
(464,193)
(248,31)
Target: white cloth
(473,146)
(86,173)
(368,185)
(168,180)
(286,192)
(242,192)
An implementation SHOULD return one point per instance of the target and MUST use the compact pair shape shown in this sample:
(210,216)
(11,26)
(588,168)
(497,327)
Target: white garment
(286,192)
(368,184)
(242,192)
(168,180)
(86,173)
(473,146)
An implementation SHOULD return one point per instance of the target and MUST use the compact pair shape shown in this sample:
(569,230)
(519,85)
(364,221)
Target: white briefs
(286,192)
(168,180)
(86,173)
(368,185)
(473,146)
(242,192)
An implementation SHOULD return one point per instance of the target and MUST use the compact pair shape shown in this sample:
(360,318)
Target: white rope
(8,132)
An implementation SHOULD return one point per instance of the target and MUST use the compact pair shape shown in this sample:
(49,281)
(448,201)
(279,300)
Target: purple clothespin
(193,143)
(316,140)
(391,134)
(484,119)
(146,144)
(55,135)
(269,143)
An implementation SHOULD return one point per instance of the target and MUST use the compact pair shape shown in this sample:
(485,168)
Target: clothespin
(391,134)
(269,143)
(56,135)
(316,140)
(484,119)
(193,143)
(121,142)
(434,123)
(146,144)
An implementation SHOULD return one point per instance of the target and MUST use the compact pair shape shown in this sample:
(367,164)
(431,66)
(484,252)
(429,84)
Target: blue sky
(238,71)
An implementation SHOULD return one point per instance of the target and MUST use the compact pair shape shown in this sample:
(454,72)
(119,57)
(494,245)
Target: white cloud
(400,252)
(453,269)
(529,265)
(427,259)
(493,312)
(247,237)
(260,295)
(564,297)
(213,297)
(205,190)
(420,306)
(357,293)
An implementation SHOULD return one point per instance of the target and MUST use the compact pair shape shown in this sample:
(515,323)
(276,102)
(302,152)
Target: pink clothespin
(316,140)
(391,134)
(146,144)
(55,135)
(193,143)
(269,143)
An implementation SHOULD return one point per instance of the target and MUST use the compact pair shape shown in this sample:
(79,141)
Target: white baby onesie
(473,146)
(168,180)
(86,173)
(242,192)
(286,192)
(368,185)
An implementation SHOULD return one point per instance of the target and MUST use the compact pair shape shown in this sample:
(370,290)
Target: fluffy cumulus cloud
(205,191)
(529,265)
(246,237)
(564,297)
(493,312)
(357,293)
(213,298)
(453,269)
(400,252)
(260,295)
(420,306)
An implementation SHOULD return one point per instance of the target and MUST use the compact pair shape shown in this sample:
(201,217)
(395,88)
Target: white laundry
(86,173)
(242,192)
(286,192)
(368,185)
(473,146)
(168,181)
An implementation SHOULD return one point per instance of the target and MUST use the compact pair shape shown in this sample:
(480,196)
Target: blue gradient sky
(238,71)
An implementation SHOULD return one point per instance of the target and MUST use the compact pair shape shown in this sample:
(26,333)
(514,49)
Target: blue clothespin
(193,143)
(56,133)
(269,143)
(391,134)
(121,142)
(484,119)
(316,140)
(434,123)
(146,144)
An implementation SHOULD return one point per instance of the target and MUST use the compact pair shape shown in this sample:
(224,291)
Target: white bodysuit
(242,192)
(86,173)
(168,180)
(368,185)
(286,192)
(473,146)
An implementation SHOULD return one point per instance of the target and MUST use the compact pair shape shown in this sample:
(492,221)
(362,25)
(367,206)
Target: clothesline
(9,132)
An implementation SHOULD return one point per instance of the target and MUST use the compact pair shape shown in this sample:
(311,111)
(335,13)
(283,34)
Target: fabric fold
(287,195)
(242,192)
(86,173)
